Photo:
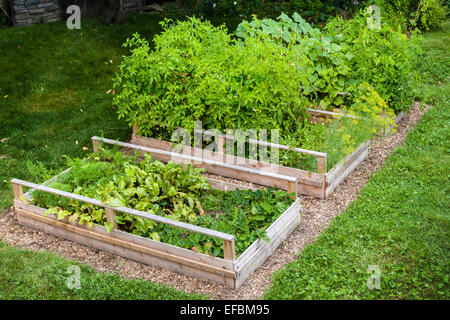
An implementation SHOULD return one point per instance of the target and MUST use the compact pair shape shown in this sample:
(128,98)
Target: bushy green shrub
(344,55)
(318,55)
(385,58)
(197,72)
(410,14)
(312,10)
(432,14)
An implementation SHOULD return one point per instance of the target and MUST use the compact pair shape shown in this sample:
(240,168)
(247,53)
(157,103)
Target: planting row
(164,214)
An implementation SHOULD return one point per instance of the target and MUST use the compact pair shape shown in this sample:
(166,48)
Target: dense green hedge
(198,72)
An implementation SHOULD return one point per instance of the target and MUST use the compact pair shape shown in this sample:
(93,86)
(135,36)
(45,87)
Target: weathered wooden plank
(127,253)
(263,250)
(400,117)
(337,170)
(134,212)
(305,177)
(293,211)
(224,137)
(228,250)
(293,188)
(330,114)
(168,257)
(205,163)
(18,191)
(160,246)
(250,176)
(111,217)
(345,170)
(95,145)
(113,239)
(262,253)
(322,165)
(168,146)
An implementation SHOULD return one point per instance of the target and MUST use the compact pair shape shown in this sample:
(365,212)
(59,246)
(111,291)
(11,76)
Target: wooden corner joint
(18,191)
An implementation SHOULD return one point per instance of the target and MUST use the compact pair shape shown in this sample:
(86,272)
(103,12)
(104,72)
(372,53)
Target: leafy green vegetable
(267,78)
(167,190)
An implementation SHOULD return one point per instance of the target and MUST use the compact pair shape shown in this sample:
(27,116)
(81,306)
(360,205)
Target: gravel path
(317,215)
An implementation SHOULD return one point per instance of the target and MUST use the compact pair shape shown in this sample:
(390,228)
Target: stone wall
(132,5)
(35,11)
(44,11)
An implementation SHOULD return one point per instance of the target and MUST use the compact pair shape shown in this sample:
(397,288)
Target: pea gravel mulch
(316,216)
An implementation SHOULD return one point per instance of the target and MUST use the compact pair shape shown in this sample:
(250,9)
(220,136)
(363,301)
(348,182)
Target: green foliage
(264,79)
(207,76)
(385,58)
(400,223)
(162,189)
(38,171)
(314,11)
(55,80)
(432,15)
(345,55)
(317,55)
(410,14)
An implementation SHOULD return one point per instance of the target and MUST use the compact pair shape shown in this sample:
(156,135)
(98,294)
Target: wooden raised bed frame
(230,271)
(318,184)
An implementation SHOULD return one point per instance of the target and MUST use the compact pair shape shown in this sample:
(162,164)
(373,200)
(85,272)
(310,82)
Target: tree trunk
(119,11)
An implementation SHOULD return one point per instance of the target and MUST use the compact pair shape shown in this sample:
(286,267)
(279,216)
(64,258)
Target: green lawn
(400,222)
(53,84)
(32,275)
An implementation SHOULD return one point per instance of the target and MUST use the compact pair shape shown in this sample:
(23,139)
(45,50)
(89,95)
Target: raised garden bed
(229,270)
(318,184)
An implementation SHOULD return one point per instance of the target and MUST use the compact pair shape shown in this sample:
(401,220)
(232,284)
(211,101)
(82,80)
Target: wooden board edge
(25,211)
(306,177)
(332,174)
(264,251)
(271,231)
(352,166)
